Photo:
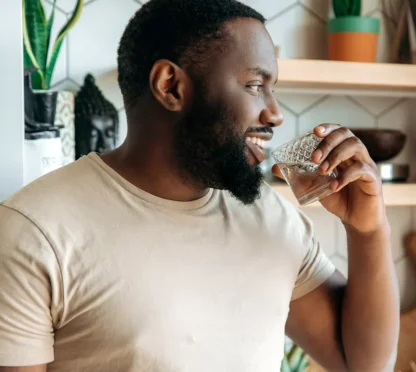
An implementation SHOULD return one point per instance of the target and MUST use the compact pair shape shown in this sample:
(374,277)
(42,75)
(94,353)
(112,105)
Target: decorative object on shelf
(384,145)
(352,37)
(37,29)
(390,172)
(404,44)
(42,146)
(96,120)
(64,119)
(39,54)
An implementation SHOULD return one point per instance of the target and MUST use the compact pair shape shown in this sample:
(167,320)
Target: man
(170,253)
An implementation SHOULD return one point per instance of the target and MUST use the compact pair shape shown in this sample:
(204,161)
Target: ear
(168,83)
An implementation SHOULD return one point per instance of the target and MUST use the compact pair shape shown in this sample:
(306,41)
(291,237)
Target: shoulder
(55,190)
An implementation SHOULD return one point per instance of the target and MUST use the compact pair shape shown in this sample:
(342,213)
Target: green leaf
(36,30)
(356,8)
(52,62)
(349,6)
(37,79)
(285,366)
(295,356)
(29,56)
(343,8)
(340,7)
(27,61)
(58,42)
(303,364)
(42,11)
(49,24)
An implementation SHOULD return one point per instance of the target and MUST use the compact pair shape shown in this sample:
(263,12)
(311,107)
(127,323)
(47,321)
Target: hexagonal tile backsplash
(299,28)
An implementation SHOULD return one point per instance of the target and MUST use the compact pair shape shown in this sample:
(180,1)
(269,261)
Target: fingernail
(318,154)
(322,129)
(324,166)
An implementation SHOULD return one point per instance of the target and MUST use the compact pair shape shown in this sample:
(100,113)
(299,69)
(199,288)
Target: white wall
(11,99)
(299,28)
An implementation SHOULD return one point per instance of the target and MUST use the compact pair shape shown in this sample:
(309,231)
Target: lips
(256,145)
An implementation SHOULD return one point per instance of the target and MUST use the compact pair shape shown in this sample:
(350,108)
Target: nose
(272,115)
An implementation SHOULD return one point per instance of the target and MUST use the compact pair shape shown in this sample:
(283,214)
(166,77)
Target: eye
(256,88)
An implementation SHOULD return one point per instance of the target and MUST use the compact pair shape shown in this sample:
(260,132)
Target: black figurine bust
(96,120)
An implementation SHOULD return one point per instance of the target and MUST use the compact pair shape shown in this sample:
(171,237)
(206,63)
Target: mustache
(259,130)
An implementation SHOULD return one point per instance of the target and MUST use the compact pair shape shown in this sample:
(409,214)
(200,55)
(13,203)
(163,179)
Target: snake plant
(295,360)
(344,8)
(37,38)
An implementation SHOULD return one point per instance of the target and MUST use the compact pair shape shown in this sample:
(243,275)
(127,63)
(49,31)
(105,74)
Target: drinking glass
(301,174)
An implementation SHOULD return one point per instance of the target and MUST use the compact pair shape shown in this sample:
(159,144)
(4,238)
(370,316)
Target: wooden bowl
(382,144)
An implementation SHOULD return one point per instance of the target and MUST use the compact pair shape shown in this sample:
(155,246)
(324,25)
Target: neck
(149,166)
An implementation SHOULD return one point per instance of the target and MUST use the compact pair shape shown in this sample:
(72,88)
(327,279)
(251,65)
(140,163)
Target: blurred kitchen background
(299,31)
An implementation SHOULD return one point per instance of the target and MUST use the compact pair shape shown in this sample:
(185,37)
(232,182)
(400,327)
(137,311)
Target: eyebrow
(259,71)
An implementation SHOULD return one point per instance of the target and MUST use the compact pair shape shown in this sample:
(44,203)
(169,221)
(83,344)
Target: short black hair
(177,30)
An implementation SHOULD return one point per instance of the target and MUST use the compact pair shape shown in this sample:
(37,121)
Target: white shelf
(395,194)
(377,79)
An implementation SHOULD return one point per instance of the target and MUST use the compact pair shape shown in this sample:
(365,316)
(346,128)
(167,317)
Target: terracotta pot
(353,39)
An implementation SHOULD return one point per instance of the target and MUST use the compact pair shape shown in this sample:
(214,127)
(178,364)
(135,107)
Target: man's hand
(355,308)
(358,199)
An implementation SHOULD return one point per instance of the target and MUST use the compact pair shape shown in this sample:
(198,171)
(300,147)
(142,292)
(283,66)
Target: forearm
(370,316)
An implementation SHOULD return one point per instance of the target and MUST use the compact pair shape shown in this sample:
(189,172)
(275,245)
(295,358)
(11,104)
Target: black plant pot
(40,106)
(42,134)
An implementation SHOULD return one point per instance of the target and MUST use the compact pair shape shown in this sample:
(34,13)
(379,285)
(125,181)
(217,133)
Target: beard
(212,152)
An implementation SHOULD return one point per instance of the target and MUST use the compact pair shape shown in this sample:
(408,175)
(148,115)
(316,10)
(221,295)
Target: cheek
(244,107)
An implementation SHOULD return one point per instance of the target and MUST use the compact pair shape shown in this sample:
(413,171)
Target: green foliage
(295,360)
(37,37)
(344,8)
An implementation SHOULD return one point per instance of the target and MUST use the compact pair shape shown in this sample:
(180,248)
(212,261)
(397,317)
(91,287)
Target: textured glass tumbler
(294,161)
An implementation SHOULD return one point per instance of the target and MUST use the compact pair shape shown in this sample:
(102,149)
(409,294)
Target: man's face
(220,142)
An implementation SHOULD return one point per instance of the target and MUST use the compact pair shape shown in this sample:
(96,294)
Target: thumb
(276,171)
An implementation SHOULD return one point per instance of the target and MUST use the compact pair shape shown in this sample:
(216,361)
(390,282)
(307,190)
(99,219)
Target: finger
(344,165)
(357,171)
(352,148)
(276,171)
(333,139)
(322,130)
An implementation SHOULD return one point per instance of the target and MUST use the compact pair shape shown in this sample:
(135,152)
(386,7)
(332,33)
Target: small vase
(64,119)
(353,39)
(42,153)
(40,105)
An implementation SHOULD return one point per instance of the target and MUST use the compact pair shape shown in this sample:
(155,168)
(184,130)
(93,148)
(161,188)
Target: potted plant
(45,110)
(37,37)
(352,37)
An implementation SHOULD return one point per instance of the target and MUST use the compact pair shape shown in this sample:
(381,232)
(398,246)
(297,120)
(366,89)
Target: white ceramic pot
(41,156)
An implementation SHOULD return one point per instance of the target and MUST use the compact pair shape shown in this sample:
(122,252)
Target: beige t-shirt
(97,275)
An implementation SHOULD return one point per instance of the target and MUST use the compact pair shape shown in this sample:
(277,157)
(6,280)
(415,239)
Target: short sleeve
(316,267)
(29,288)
